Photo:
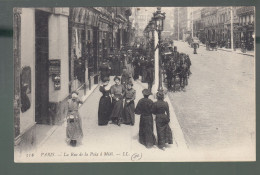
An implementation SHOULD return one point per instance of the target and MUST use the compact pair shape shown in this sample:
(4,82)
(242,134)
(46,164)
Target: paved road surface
(217,110)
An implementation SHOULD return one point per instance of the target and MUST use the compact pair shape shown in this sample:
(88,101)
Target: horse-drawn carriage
(211,45)
(176,70)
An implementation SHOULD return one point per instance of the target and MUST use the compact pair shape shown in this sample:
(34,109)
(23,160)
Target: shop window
(26,92)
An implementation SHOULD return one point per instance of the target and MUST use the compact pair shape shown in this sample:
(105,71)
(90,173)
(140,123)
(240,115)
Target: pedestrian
(105,105)
(144,71)
(117,65)
(144,108)
(129,108)
(195,45)
(188,61)
(104,69)
(150,75)
(113,65)
(136,64)
(74,125)
(161,110)
(117,94)
(170,68)
(125,77)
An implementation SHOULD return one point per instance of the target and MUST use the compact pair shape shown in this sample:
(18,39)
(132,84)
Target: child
(74,126)
(129,108)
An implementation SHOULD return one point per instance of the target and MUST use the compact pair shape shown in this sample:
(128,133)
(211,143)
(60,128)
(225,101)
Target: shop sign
(54,66)
(54,71)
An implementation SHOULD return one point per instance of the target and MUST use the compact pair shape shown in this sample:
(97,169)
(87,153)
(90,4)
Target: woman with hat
(144,108)
(74,126)
(105,105)
(161,110)
(129,108)
(117,94)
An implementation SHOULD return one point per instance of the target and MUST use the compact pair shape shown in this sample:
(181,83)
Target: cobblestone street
(217,110)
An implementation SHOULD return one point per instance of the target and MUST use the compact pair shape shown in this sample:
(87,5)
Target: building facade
(246,29)
(168,29)
(182,23)
(57,51)
(224,27)
(41,63)
(209,20)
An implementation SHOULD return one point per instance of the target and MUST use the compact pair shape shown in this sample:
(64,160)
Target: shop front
(246,29)
(41,66)
(84,49)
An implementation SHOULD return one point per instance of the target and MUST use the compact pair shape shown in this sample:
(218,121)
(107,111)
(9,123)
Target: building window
(248,19)
(252,18)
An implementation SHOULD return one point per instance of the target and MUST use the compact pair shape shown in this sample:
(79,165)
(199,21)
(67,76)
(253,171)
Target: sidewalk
(112,138)
(237,51)
(43,132)
(174,123)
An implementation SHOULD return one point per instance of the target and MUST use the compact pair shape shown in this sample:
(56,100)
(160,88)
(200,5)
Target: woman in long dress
(129,108)
(105,105)
(161,110)
(74,125)
(117,94)
(144,108)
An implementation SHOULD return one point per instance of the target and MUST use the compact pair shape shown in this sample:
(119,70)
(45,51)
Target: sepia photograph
(134,84)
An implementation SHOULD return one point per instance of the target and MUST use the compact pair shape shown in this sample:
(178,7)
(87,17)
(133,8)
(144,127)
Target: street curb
(177,131)
(231,51)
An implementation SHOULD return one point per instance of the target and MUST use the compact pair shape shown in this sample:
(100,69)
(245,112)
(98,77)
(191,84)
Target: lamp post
(159,17)
(151,24)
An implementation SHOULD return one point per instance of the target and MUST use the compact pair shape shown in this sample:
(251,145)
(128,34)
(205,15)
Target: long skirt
(117,111)
(144,74)
(74,129)
(129,113)
(117,68)
(104,110)
(146,135)
(164,132)
(136,73)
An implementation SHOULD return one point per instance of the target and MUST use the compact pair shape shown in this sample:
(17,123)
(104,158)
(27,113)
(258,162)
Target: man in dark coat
(136,64)
(150,74)
(104,69)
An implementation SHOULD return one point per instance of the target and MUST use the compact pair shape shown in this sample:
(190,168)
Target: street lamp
(152,28)
(158,18)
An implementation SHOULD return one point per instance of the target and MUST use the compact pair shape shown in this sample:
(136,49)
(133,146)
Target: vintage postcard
(134,84)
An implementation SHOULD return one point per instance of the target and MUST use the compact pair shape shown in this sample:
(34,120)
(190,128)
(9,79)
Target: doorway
(41,68)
